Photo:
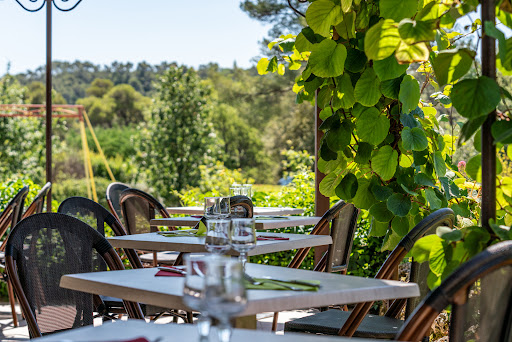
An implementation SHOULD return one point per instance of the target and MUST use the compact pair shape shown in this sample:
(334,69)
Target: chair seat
(330,321)
(162,257)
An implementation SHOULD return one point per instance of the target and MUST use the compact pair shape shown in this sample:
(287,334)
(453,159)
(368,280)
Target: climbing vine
(383,147)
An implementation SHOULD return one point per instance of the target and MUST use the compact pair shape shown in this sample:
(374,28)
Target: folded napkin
(275,285)
(270,238)
(137,339)
(198,230)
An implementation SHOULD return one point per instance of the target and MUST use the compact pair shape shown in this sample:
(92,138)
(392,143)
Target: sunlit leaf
(412,53)
(384,162)
(328,59)
(398,9)
(381,40)
(413,32)
(367,90)
(322,14)
(450,65)
(409,93)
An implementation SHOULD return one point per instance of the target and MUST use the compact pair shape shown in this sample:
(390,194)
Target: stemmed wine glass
(193,290)
(216,207)
(225,294)
(243,237)
(217,236)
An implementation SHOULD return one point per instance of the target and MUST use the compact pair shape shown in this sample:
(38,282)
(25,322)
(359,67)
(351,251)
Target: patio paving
(9,333)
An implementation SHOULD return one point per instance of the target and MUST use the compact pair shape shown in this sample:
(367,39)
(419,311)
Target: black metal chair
(480,296)
(9,218)
(138,209)
(358,322)
(97,216)
(37,205)
(113,193)
(340,221)
(40,250)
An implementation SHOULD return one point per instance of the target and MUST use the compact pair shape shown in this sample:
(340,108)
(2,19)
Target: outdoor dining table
(196,244)
(141,285)
(256,210)
(128,330)
(262,222)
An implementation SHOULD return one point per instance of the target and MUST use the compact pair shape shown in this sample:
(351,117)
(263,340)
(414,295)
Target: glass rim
(218,220)
(242,219)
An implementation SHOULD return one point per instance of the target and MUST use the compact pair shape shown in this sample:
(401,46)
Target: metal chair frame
(37,205)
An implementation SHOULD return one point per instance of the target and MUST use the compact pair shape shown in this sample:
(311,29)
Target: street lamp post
(35,6)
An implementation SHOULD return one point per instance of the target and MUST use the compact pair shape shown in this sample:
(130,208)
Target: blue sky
(102,31)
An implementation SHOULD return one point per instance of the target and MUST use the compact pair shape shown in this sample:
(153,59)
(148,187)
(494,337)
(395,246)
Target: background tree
(177,137)
(278,13)
(99,87)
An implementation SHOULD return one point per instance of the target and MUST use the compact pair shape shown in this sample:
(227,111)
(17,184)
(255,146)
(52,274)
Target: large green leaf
(438,259)
(328,58)
(364,153)
(339,137)
(367,91)
(380,212)
(322,14)
(391,88)
(364,198)
(384,162)
(399,204)
(432,11)
(347,188)
(356,60)
(372,127)
(400,225)
(421,249)
(432,199)
(414,139)
(398,9)
(475,97)
(344,93)
(450,65)
(346,28)
(329,183)
(302,44)
(413,32)
(439,164)
(409,94)
(389,68)
(381,40)
(412,53)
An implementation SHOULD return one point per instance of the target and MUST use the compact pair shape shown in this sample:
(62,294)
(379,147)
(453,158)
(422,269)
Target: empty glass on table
(217,239)
(243,237)
(225,295)
(193,290)
(216,207)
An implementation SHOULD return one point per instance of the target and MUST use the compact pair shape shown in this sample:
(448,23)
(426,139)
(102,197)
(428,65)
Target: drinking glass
(217,236)
(224,292)
(243,237)
(216,207)
(247,190)
(193,290)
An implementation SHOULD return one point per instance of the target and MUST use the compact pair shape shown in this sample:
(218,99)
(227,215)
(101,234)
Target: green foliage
(177,139)
(397,162)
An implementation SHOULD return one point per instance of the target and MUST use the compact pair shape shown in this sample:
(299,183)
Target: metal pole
(49,101)
(488,146)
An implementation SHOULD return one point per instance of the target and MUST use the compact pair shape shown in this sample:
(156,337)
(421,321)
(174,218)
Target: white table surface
(194,244)
(141,285)
(261,224)
(257,210)
(123,330)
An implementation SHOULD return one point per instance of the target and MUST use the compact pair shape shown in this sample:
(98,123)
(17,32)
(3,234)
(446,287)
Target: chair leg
(274,321)
(12,302)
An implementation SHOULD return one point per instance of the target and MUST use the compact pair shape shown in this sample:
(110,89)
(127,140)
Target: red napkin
(168,274)
(267,238)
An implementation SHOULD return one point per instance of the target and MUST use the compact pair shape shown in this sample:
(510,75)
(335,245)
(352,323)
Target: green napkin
(275,285)
(200,231)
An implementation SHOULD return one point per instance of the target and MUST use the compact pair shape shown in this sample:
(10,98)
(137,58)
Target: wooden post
(488,146)
(321,202)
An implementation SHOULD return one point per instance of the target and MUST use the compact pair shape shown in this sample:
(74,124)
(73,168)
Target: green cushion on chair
(330,321)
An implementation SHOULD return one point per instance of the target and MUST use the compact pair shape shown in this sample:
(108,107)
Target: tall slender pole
(488,146)
(49,100)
